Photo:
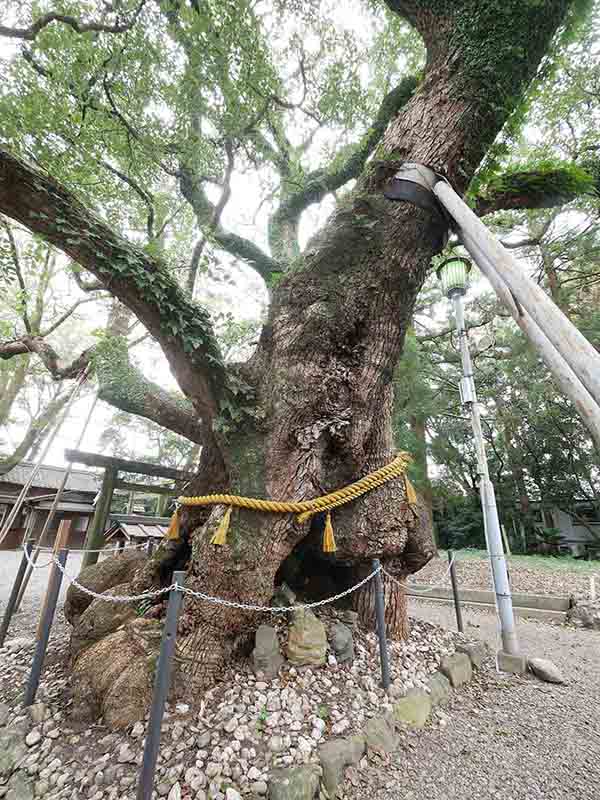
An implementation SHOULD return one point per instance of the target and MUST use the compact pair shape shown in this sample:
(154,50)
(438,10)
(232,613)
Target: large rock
(337,754)
(342,642)
(413,710)
(101,618)
(99,577)
(380,735)
(545,670)
(295,783)
(457,668)
(12,751)
(307,639)
(440,689)
(113,678)
(266,656)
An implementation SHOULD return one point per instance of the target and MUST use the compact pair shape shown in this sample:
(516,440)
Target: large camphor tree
(147,110)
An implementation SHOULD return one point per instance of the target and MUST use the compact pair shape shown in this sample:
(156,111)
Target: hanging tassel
(220,535)
(173,529)
(328,538)
(411,495)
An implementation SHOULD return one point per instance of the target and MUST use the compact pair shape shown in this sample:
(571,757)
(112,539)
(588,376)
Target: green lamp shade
(453,273)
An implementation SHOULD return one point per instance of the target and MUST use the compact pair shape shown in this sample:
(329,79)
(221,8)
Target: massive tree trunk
(315,410)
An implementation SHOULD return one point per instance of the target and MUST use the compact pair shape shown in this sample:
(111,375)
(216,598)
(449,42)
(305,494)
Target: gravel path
(504,737)
(474,573)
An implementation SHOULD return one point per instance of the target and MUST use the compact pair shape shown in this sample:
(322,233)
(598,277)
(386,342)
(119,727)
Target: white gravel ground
(505,737)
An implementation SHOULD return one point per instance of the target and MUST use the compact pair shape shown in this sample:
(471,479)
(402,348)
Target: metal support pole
(54,584)
(150,548)
(161,690)
(380,615)
(493,533)
(12,600)
(457,608)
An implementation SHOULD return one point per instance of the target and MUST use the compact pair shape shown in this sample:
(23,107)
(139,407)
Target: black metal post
(380,614)
(457,608)
(54,583)
(162,682)
(150,548)
(12,600)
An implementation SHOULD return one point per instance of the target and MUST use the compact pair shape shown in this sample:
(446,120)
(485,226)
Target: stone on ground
(266,656)
(342,642)
(175,793)
(12,750)
(440,689)
(544,669)
(99,577)
(585,614)
(307,639)
(414,709)
(284,597)
(4,714)
(295,783)
(476,651)
(457,668)
(380,735)
(19,788)
(337,754)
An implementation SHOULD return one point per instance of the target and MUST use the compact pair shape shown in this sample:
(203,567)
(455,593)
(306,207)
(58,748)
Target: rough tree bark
(315,412)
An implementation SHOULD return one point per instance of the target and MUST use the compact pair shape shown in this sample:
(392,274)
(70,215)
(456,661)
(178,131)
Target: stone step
(547,615)
(545,602)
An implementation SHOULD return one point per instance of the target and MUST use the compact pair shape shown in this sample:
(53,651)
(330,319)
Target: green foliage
(547,179)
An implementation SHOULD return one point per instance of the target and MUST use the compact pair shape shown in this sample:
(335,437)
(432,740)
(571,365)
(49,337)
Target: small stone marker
(307,640)
(342,642)
(457,668)
(266,656)
(414,709)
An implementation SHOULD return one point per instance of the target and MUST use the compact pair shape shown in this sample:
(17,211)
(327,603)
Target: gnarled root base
(113,677)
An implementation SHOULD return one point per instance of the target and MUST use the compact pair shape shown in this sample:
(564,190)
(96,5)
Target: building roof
(48,477)
(137,530)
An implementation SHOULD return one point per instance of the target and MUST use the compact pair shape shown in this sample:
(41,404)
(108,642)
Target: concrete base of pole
(516,665)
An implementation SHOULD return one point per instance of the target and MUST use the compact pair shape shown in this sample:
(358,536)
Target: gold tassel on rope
(411,495)
(173,529)
(220,536)
(328,538)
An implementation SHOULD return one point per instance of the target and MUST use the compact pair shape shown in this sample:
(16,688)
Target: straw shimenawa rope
(304,509)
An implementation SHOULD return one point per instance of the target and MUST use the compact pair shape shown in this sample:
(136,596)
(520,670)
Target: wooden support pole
(565,377)
(61,542)
(94,539)
(577,351)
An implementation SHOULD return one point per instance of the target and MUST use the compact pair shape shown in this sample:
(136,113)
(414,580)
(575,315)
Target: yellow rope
(306,508)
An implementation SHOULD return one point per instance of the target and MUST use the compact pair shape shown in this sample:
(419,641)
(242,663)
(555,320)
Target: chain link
(113,598)
(276,609)
(412,586)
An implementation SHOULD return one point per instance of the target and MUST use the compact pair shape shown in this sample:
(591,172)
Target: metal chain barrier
(210,598)
(277,609)
(406,586)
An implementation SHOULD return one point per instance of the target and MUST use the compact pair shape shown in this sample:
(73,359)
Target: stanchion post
(54,584)
(12,600)
(453,579)
(162,682)
(150,548)
(380,615)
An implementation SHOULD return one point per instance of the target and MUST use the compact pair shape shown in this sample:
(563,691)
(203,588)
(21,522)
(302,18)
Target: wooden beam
(140,488)
(124,465)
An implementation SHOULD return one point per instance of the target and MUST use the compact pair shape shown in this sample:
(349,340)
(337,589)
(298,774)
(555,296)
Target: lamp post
(453,274)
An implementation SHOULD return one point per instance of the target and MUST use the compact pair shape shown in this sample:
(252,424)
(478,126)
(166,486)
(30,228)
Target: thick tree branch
(30,33)
(321,182)
(237,246)
(181,327)
(517,190)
